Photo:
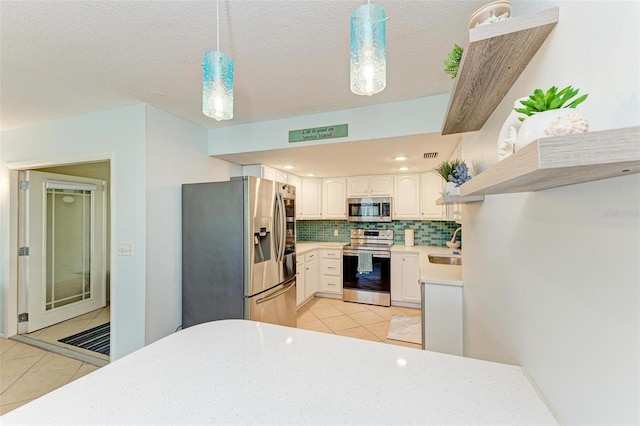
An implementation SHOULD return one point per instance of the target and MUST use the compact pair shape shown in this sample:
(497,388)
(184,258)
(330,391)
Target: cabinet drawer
(310,256)
(331,284)
(331,267)
(331,254)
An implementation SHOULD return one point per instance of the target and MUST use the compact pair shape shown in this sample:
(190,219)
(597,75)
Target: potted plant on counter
(454,173)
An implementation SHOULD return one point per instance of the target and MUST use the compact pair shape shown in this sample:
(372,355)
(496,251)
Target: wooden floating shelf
(492,61)
(560,161)
(458,199)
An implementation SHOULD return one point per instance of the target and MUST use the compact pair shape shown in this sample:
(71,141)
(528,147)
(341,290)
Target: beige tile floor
(27,372)
(356,320)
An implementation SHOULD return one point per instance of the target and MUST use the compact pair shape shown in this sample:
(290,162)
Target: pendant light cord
(217,26)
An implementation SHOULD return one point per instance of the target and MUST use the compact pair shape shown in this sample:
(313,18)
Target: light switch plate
(124,249)
(335,232)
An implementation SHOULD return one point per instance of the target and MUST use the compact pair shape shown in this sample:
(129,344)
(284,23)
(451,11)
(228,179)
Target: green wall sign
(326,132)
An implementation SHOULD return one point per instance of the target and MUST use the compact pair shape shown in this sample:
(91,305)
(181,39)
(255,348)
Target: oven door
(378,280)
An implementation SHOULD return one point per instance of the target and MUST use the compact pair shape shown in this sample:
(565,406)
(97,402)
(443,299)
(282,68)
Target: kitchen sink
(445,260)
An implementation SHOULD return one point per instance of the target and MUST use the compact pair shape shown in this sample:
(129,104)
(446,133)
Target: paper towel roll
(408,237)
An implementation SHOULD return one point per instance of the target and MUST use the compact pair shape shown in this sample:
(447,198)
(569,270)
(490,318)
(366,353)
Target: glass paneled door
(63,274)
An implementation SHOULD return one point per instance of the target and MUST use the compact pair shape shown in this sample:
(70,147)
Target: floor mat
(96,339)
(406,329)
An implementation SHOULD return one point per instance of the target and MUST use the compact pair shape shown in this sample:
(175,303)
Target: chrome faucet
(455,233)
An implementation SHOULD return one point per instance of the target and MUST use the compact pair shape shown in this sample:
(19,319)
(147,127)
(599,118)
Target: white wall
(552,278)
(176,153)
(118,135)
(416,116)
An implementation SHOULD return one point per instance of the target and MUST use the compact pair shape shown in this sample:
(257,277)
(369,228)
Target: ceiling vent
(430,155)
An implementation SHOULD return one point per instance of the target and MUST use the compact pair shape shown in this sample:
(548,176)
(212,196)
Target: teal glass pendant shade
(368,50)
(217,85)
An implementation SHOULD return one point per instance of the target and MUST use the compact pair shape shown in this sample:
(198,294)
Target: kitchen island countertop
(245,372)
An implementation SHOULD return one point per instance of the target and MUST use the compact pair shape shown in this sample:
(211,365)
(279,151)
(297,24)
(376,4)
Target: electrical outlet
(335,232)
(124,249)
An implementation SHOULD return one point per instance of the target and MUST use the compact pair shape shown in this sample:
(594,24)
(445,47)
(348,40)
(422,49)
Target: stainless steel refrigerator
(238,251)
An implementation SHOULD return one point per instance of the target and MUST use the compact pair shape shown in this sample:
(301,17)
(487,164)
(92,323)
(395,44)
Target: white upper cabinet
(260,171)
(370,186)
(310,206)
(431,186)
(297,182)
(406,201)
(334,203)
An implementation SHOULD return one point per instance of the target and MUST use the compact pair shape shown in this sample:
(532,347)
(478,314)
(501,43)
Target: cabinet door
(358,186)
(410,278)
(311,206)
(269,173)
(396,277)
(430,190)
(334,203)
(443,319)
(310,279)
(407,197)
(381,185)
(300,270)
(297,182)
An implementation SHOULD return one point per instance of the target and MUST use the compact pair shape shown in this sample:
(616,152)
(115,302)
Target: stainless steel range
(367,267)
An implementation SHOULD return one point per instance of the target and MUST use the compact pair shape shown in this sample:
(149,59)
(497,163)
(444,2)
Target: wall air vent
(430,155)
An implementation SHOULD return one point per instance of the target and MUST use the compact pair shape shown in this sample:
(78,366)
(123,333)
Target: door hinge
(23,251)
(23,185)
(24,317)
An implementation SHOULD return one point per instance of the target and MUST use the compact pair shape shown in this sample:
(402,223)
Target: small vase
(555,122)
(509,130)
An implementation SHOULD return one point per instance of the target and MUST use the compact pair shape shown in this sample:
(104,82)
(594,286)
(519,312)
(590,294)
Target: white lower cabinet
(442,316)
(300,281)
(306,277)
(331,271)
(405,279)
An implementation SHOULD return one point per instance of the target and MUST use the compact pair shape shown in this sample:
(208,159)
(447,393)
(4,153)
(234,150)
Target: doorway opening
(64,262)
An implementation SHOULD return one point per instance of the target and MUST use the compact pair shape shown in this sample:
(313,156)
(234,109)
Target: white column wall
(552,278)
(176,153)
(120,136)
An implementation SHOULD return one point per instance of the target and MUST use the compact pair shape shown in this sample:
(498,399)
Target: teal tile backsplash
(426,232)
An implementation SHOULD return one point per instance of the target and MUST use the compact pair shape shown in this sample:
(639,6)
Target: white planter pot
(555,122)
(450,188)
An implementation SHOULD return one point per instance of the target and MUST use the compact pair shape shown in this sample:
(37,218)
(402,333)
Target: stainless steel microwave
(369,209)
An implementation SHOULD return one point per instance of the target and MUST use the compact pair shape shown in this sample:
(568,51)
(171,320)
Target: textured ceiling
(67,58)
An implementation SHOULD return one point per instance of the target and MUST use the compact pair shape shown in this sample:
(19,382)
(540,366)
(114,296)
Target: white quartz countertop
(244,372)
(431,273)
(303,247)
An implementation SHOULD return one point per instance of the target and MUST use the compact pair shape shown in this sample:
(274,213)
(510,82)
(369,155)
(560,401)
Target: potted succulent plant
(452,63)
(454,173)
(550,113)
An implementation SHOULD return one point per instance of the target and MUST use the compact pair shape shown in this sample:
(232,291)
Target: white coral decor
(555,122)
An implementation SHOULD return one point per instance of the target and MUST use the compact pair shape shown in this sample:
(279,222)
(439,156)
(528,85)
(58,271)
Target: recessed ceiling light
(289,167)
(403,169)
(310,174)
(400,158)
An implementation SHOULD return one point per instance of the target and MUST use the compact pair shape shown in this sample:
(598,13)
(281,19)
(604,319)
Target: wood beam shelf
(560,161)
(492,61)
(458,199)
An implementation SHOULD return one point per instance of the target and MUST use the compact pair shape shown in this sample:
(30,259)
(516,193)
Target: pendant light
(217,82)
(368,49)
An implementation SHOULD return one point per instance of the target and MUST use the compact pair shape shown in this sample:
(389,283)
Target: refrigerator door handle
(279,227)
(288,285)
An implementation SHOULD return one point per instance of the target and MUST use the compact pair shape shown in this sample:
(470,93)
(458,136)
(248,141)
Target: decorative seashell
(507,146)
(567,125)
